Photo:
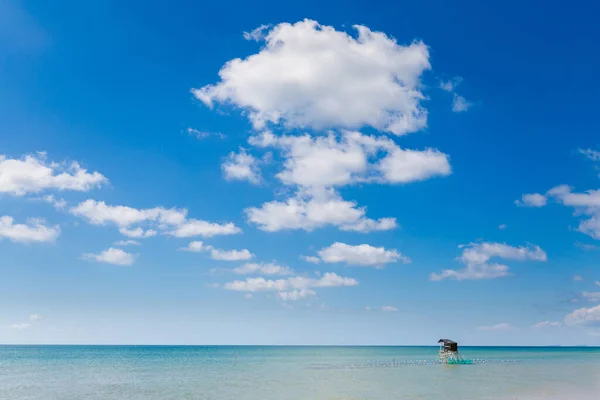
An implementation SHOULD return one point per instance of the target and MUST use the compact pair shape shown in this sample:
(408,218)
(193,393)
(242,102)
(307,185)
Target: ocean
(295,372)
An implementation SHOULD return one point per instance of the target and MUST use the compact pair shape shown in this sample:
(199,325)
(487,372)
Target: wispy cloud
(200,135)
(499,327)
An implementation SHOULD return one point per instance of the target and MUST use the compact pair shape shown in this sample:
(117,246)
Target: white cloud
(586,203)
(311,76)
(577,278)
(257,34)
(597,283)
(309,213)
(311,259)
(194,227)
(33,174)
(218,254)
(532,200)
(263,269)
(127,243)
(295,295)
(460,104)
(320,164)
(170,221)
(328,279)
(547,324)
(200,135)
(99,213)
(476,257)
(502,227)
(361,255)
(57,203)
(230,255)
(241,166)
(111,256)
(584,316)
(389,309)
(317,162)
(137,232)
(35,317)
(20,326)
(586,246)
(499,327)
(451,84)
(34,230)
(590,154)
(591,296)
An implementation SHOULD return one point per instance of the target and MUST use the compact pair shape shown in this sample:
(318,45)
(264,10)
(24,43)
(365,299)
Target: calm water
(269,373)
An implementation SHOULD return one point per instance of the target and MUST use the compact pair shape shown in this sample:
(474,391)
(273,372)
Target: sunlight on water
(269,373)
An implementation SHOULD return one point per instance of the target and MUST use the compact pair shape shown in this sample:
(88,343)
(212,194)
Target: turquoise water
(269,373)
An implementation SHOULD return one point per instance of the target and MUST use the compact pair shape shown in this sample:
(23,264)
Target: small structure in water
(449,353)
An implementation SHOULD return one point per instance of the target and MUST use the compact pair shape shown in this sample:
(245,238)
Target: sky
(299,173)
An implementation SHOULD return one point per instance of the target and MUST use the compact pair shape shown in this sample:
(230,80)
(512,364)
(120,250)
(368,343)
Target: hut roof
(448,341)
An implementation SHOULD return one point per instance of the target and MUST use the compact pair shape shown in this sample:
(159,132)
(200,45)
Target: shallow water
(269,373)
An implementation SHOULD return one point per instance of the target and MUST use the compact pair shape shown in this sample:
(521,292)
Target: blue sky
(359,174)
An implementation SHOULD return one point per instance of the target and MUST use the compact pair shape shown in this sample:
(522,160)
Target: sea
(295,372)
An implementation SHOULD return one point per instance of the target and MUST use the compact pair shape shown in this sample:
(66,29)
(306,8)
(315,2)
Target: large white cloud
(311,76)
(34,230)
(111,256)
(171,221)
(318,165)
(350,157)
(361,255)
(311,212)
(33,174)
(476,257)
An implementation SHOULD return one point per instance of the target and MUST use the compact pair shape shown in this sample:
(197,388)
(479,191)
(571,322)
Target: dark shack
(449,345)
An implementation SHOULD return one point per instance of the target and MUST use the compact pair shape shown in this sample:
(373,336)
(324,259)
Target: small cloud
(460,104)
(532,200)
(295,295)
(577,278)
(591,296)
(367,308)
(111,256)
(311,259)
(499,327)
(451,85)
(248,296)
(59,204)
(20,326)
(200,135)
(502,227)
(586,246)
(35,317)
(590,154)
(218,254)
(389,309)
(547,324)
(127,243)
(263,269)
(242,166)
(257,34)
